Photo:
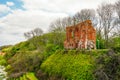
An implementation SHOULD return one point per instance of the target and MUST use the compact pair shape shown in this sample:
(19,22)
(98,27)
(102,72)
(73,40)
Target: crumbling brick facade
(80,36)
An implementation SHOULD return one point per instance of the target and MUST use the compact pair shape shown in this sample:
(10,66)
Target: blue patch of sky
(17,5)
(4,14)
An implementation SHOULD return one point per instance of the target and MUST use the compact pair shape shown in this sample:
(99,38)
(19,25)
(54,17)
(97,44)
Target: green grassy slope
(46,58)
(72,65)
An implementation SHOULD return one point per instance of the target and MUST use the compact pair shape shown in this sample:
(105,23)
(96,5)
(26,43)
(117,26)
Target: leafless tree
(117,21)
(58,29)
(33,33)
(56,26)
(105,15)
(85,14)
(34,39)
(37,31)
(27,35)
(116,31)
(67,21)
(117,6)
(59,25)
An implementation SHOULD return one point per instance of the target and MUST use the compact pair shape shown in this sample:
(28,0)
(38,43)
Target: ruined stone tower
(80,36)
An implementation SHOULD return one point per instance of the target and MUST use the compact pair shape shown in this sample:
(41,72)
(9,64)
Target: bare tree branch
(32,33)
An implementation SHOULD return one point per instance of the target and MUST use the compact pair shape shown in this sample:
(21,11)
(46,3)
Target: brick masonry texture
(80,36)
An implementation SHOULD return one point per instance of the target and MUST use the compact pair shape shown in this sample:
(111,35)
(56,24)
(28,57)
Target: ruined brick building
(80,36)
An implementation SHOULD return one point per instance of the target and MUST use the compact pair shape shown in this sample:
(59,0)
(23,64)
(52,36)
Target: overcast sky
(19,16)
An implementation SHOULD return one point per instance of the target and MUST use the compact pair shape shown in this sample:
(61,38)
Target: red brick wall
(80,35)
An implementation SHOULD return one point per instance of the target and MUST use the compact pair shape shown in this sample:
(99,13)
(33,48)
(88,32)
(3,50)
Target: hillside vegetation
(71,65)
(44,58)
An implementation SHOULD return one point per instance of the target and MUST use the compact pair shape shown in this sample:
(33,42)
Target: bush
(108,66)
(70,66)
(2,61)
(116,49)
(31,76)
(23,62)
(26,76)
(50,49)
(100,44)
(8,67)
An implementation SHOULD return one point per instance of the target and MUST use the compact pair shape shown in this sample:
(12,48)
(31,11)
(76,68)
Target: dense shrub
(64,64)
(116,49)
(2,61)
(70,65)
(100,44)
(108,66)
(5,47)
(21,64)
(26,76)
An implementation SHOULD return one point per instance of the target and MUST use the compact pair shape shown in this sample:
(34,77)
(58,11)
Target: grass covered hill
(72,64)
(44,58)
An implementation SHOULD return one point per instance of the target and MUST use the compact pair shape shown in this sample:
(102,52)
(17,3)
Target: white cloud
(69,6)
(37,13)
(9,39)
(4,9)
(9,3)
(18,22)
(30,19)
